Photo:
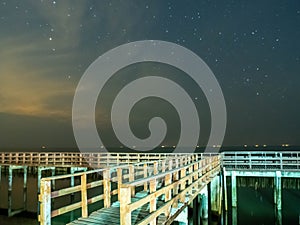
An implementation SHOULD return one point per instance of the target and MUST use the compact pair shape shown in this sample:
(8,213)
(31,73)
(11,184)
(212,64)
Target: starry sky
(252,47)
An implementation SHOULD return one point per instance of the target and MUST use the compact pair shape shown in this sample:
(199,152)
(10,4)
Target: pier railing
(108,181)
(178,182)
(73,159)
(284,161)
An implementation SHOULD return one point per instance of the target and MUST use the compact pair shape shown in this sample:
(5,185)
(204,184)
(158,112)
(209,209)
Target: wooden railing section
(178,182)
(73,159)
(269,161)
(103,179)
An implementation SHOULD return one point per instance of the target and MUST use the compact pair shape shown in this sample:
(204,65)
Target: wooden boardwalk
(168,186)
(132,188)
(111,215)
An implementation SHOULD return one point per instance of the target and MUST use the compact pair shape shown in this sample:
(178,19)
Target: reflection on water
(255,206)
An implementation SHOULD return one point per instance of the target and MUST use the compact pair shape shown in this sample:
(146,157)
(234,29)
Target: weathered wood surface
(111,215)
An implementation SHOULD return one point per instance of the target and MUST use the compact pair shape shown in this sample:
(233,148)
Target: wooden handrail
(126,207)
(134,171)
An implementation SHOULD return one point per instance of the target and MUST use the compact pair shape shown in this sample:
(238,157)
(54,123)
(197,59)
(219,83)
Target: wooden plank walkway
(111,215)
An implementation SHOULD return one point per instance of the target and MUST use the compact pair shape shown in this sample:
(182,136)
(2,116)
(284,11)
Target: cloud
(26,92)
(33,78)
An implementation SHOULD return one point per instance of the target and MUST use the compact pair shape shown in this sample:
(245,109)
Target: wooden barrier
(72,159)
(119,174)
(193,188)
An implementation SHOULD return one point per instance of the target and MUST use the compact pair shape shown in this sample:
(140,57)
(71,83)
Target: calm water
(254,206)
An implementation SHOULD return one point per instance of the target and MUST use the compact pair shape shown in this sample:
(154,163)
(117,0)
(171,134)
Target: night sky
(252,47)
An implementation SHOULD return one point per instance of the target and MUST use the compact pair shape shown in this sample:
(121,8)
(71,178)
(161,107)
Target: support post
(25,188)
(119,175)
(234,216)
(106,188)
(72,184)
(214,194)
(204,203)
(155,168)
(145,168)
(196,218)
(233,189)
(163,166)
(153,200)
(125,200)
(209,202)
(225,189)
(190,214)
(277,190)
(10,181)
(84,205)
(45,200)
(53,174)
(131,178)
(182,186)
(277,197)
(168,194)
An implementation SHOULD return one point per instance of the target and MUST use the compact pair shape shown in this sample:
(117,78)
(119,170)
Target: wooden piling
(233,189)
(225,188)
(277,190)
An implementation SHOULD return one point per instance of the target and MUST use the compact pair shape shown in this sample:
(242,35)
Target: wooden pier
(277,166)
(128,188)
(153,192)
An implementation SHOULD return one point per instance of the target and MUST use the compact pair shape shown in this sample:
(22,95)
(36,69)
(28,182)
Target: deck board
(111,215)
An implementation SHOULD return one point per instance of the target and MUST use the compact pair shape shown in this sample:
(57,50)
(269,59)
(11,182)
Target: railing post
(250,162)
(170,164)
(106,188)
(145,175)
(168,194)
(153,200)
(176,178)
(163,165)
(181,161)
(281,166)
(45,200)
(155,168)
(125,200)
(182,185)
(131,178)
(120,180)
(84,205)
(196,166)
(191,166)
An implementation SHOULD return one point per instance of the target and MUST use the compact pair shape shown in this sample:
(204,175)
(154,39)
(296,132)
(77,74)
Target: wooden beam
(106,188)
(125,200)
(84,205)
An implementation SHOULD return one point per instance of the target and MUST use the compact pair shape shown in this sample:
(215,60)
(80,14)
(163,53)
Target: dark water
(254,206)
